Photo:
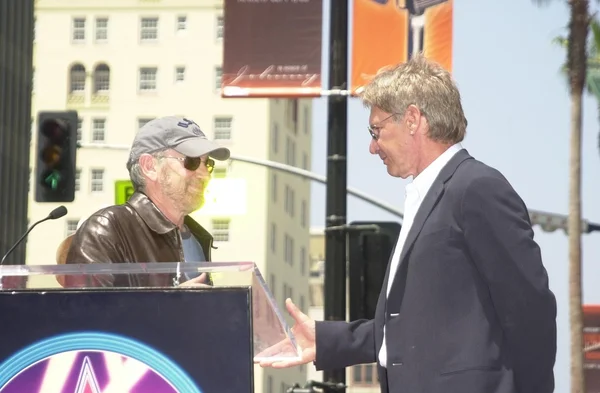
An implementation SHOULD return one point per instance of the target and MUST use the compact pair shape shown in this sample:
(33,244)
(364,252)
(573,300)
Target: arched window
(101,79)
(77,79)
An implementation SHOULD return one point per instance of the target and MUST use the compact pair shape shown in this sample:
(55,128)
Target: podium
(80,329)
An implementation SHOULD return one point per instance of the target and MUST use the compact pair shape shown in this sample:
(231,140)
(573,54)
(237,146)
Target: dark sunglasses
(193,163)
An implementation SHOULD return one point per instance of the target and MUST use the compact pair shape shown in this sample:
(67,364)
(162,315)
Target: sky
(518,109)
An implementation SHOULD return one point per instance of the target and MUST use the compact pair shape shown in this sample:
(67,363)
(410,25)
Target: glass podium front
(137,327)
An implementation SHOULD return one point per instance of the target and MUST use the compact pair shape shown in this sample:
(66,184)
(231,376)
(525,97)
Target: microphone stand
(23,237)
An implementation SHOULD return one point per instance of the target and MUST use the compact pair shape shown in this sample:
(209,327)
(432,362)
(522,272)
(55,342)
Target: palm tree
(593,63)
(577,67)
(576,71)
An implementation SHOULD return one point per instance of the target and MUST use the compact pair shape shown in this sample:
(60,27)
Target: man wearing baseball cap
(169,164)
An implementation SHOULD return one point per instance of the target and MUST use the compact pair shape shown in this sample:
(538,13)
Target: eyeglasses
(193,163)
(377,127)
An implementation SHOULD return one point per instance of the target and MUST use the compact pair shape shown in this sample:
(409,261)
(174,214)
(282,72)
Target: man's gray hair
(428,86)
(137,176)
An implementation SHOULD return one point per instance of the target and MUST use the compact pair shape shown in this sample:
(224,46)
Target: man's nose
(373,147)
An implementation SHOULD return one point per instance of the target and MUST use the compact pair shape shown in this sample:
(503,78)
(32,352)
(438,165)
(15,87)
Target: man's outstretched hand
(304,331)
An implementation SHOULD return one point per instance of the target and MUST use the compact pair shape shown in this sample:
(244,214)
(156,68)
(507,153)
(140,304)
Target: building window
(303,261)
(290,151)
(274,187)
(220,26)
(272,283)
(97,180)
(306,120)
(179,74)
(77,79)
(77,179)
(293,115)
(220,229)
(142,121)
(148,78)
(275,138)
(218,77)
(303,214)
(101,79)
(78,29)
(288,249)
(219,173)
(364,374)
(223,128)
(79,129)
(149,29)
(289,201)
(98,130)
(181,23)
(71,227)
(101,29)
(288,291)
(273,237)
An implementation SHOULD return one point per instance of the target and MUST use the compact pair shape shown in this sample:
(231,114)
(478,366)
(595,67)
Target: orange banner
(388,32)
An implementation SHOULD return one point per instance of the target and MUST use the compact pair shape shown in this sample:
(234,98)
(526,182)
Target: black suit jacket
(470,310)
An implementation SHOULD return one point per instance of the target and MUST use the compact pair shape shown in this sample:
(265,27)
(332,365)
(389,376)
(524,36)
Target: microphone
(59,212)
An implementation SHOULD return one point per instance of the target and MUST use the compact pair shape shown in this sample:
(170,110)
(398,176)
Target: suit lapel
(431,199)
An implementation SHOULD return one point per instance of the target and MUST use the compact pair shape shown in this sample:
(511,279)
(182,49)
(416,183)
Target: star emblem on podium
(87,382)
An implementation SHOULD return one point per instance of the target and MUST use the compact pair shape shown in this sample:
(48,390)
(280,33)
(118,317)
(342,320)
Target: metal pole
(335,240)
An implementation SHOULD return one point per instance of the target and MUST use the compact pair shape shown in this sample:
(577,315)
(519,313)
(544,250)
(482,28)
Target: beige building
(360,378)
(120,63)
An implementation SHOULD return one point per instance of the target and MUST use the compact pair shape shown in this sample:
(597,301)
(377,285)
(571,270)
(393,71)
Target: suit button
(398,364)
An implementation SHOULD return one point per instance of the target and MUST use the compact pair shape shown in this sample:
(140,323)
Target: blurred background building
(121,63)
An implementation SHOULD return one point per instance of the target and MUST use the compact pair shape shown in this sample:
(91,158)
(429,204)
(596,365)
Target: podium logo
(101,363)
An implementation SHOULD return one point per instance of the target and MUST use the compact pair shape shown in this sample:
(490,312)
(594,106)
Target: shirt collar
(423,182)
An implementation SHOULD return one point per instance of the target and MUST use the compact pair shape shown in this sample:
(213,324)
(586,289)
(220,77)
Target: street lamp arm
(548,222)
(318,178)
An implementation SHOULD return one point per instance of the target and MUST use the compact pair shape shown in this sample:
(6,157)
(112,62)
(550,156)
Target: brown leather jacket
(133,232)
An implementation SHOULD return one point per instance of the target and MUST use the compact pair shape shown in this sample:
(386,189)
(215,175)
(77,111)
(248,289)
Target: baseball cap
(177,133)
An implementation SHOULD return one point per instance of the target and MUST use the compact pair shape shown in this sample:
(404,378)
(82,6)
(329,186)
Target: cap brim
(197,147)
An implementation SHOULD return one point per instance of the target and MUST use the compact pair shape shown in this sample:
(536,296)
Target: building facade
(121,63)
(16,37)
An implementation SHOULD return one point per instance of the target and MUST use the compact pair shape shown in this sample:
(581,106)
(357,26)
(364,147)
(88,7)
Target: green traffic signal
(56,156)
(52,180)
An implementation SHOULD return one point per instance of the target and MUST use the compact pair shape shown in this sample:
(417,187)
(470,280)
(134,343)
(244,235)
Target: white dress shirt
(415,193)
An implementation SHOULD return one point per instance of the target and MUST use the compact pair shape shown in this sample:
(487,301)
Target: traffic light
(56,152)
(370,246)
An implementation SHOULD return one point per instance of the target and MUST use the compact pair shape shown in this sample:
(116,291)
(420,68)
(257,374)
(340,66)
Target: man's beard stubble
(186,194)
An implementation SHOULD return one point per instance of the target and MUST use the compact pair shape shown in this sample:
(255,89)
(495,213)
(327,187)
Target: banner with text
(389,32)
(272,48)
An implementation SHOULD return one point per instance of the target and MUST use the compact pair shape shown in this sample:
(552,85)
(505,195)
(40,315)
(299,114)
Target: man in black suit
(465,306)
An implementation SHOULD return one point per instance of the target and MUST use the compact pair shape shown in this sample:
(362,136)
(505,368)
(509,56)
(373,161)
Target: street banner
(272,48)
(388,32)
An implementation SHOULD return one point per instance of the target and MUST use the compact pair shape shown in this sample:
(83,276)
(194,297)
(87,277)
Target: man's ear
(414,119)
(149,167)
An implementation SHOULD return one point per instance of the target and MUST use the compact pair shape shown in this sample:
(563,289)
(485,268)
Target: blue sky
(518,107)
